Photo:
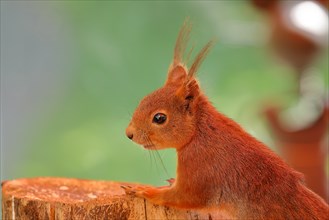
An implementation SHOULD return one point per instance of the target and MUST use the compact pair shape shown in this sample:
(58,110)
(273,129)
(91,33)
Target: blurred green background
(72,73)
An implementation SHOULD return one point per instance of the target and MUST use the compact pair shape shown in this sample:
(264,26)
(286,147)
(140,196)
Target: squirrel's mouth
(149,147)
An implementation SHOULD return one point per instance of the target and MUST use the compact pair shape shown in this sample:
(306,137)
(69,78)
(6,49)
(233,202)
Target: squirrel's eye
(159,118)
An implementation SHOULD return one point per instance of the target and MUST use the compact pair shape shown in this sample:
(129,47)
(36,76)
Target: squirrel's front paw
(128,190)
(139,191)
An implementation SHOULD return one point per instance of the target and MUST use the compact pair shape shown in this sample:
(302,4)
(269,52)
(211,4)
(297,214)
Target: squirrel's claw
(171,181)
(135,190)
(128,190)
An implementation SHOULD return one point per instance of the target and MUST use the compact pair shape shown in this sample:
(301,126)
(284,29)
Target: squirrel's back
(243,171)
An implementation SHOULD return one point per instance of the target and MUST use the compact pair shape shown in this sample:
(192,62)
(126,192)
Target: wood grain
(64,198)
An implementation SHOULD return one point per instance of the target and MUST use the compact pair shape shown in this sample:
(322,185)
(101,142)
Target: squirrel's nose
(129,133)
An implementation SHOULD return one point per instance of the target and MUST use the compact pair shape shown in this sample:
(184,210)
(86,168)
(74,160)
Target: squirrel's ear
(188,93)
(177,75)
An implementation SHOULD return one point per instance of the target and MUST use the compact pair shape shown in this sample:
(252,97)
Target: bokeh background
(72,73)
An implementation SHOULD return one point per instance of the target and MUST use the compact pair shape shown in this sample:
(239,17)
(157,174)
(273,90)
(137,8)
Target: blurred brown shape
(269,4)
(294,48)
(298,44)
(304,149)
(264,4)
(324,3)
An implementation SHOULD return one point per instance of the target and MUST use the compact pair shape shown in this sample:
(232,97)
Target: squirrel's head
(166,117)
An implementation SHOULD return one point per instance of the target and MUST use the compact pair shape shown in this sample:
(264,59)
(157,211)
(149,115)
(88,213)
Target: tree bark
(63,198)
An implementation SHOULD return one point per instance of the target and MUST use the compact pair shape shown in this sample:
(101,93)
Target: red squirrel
(220,165)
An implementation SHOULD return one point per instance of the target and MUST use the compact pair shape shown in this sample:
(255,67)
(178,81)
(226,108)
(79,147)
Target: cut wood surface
(63,198)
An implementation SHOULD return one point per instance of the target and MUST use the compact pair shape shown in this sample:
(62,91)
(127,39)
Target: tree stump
(63,198)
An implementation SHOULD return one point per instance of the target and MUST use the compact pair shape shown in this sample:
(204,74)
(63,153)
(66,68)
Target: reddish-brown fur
(220,166)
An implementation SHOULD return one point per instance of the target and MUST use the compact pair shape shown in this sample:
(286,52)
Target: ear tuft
(177,75)
(199,58)
(181,42)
